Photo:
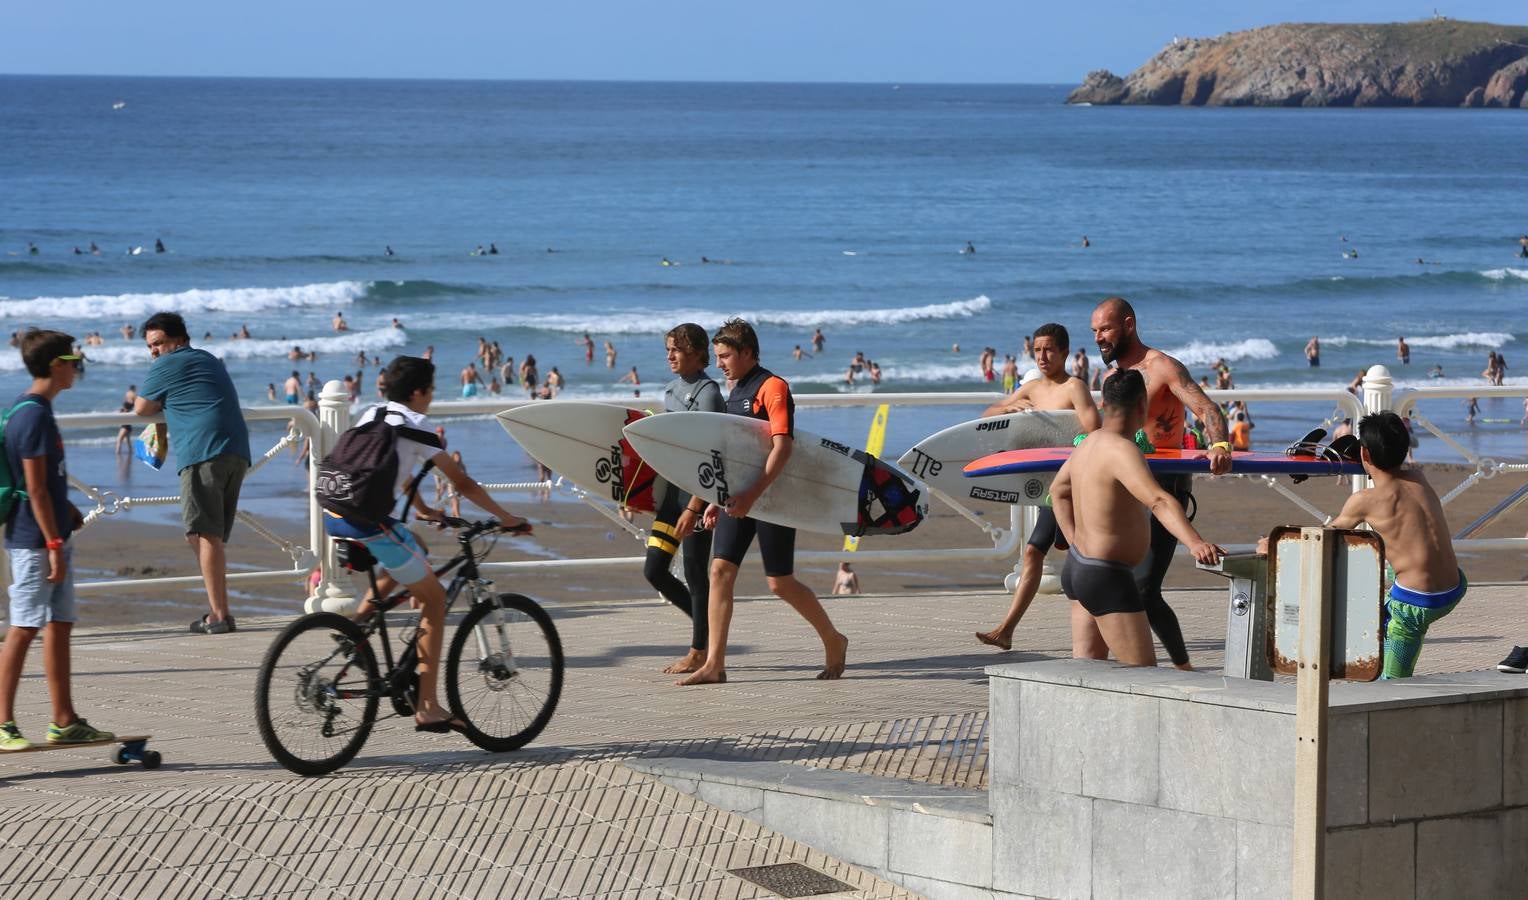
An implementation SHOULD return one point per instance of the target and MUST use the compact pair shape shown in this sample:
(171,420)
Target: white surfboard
(939,458)
(581,441)
(826,487)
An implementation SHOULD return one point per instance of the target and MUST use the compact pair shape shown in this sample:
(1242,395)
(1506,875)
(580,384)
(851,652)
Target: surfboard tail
(887,504)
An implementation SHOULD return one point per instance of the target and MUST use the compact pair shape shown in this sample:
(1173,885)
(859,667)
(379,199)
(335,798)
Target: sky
(960,41)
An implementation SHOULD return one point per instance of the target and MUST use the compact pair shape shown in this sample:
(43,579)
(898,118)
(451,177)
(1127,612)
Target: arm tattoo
(1205,410)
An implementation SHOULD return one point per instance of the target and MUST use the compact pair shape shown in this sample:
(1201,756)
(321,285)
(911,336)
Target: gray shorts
(35,601)
(209,495)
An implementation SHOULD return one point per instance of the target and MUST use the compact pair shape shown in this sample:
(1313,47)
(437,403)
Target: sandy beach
(1231,511)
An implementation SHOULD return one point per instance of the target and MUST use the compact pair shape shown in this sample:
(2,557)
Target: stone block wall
(1111,782)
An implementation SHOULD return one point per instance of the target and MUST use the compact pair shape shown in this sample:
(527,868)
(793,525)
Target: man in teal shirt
(211,447)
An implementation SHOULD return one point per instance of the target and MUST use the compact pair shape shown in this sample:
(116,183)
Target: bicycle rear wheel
(316,694)
(504,672)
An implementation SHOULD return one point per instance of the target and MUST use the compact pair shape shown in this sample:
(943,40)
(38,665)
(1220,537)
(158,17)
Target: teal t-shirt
(201,406)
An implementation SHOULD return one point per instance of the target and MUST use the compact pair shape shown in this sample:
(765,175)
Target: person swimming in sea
(32,249)
(970,248)
(159,245)
(388,250)
(493,249)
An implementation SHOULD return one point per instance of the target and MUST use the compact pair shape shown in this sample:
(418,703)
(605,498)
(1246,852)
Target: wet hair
(1124,390)
(405,375)
(1126,311)
(1057,334)
(39,349)
(173,326)
(691,338)
(1386,438)
(738,335)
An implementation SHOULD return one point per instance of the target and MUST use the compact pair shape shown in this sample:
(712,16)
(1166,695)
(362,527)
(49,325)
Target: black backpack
(358,478)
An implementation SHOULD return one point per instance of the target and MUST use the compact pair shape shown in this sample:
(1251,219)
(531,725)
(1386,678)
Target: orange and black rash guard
(764,395)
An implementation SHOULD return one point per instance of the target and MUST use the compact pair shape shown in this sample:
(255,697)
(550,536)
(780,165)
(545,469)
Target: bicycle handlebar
(469,530)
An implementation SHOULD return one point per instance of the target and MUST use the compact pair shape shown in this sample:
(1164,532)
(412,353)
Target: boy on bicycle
(410,387)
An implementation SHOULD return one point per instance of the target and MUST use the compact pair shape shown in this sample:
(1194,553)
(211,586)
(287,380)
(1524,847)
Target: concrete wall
(1115,782)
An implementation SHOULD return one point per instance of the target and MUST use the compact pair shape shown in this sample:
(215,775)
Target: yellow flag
(873,445)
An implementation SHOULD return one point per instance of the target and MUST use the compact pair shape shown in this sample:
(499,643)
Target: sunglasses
(70,358)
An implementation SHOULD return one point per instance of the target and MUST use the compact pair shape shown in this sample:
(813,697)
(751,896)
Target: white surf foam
(341,347)
(112,307)
(1202,353)
(641,321)
(1486,339)
(1506,273)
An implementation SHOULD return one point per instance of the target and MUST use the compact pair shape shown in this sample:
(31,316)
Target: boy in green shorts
(1406,512)
(37,541)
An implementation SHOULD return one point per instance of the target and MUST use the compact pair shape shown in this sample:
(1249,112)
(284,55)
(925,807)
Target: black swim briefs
(1102,586)
(777,544)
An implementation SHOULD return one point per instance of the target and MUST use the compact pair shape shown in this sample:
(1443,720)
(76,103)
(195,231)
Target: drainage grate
(791,880)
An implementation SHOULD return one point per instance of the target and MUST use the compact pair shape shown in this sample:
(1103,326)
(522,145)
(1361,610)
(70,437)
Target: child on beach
(1406,512)
(37,539)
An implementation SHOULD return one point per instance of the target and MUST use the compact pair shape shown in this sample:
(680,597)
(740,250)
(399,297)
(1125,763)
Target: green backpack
(12,489)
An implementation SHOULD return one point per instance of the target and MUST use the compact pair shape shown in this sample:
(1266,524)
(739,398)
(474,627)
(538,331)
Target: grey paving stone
(1172,854)
(1377,862)
(1263,861)
(1042,842)
(1226,761)
(1060,747)
(1434,760)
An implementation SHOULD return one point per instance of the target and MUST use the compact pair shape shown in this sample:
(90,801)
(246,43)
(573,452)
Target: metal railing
(997,544)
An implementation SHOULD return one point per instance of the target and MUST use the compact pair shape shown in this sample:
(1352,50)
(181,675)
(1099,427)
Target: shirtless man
(588,343)
(339,322)
(1169,388)
(1098,495)
(1054,389)
(292,388)
(471,380)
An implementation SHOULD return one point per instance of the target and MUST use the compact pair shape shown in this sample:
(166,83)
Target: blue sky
(687,40)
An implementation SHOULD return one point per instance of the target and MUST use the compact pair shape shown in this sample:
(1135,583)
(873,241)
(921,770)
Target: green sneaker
(78,732)
(11,739)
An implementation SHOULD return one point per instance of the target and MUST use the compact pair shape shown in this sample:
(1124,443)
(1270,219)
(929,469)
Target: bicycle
(319,687)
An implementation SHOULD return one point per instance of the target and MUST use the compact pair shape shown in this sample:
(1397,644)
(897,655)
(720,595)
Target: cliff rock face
(1432,63)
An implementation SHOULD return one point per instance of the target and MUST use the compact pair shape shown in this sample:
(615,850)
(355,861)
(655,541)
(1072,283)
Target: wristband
(1221,445)
(55,544)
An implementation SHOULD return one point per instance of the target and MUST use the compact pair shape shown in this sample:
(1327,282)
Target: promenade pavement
(422,815)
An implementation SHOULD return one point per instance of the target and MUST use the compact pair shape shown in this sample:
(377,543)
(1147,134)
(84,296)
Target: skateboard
(132,749)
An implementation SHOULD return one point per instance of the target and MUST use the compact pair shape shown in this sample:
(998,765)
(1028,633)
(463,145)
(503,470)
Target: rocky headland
(1439,62)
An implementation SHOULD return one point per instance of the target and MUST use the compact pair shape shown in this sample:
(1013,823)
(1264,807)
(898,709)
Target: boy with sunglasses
(37,541)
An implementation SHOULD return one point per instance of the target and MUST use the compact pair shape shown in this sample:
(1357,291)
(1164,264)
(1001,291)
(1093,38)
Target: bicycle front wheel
(504,672)
(316,695)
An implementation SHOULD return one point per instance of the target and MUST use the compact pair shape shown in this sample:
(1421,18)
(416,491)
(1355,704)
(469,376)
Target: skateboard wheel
(151,759)
(119,756)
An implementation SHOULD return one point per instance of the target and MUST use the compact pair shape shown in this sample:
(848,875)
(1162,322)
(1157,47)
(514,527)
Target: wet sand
(1231,511)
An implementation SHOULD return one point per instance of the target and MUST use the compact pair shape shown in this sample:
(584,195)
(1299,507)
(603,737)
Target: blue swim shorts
(394,546)
(35,601)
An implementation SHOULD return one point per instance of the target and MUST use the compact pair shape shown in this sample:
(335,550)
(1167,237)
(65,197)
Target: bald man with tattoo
(1169,388)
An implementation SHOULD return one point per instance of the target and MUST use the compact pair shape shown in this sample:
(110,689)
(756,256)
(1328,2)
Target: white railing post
(333,593)
(1379,390)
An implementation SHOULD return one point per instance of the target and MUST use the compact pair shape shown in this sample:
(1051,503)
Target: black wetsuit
(1164,622)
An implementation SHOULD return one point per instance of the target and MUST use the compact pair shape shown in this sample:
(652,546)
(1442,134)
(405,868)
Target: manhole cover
(792,880)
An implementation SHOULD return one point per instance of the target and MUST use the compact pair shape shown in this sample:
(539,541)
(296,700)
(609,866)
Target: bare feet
(996,639)
(690,662)
(703,675)
(837,658)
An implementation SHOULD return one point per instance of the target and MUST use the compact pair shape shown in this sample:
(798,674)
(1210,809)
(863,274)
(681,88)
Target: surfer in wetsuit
(158,245)
(1098,495)
(1169,388)
(32,249)
(1054,389)
(678,513)
(760,394)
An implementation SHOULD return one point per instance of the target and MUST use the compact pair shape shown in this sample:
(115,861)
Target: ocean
(840,207)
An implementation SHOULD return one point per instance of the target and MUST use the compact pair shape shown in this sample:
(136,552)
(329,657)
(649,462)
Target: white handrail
(335,412)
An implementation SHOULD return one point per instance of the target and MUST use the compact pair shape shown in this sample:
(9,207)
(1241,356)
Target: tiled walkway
(426,816)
